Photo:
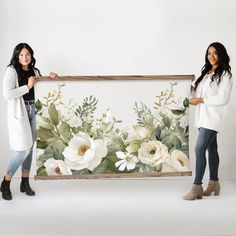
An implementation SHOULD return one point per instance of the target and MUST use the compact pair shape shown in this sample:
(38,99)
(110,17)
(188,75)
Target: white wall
(121,37)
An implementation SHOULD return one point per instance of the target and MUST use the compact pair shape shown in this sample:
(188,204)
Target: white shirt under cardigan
(212,112)
(20,135)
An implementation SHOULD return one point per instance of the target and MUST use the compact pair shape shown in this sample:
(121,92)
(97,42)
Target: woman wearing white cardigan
(210,95)
(18,89)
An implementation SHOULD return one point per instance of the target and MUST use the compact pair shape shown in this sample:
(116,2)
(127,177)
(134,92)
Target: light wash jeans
(24,158)
(206,141)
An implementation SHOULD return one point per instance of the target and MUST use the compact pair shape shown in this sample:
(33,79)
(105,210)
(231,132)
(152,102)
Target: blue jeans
(24,158)
(206,141)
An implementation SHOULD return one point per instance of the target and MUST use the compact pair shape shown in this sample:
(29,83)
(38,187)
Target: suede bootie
(195,193)
(25,187)
(212,187)
(5,189)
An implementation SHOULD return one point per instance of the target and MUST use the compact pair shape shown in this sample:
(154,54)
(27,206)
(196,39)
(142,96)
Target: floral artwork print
(71,140)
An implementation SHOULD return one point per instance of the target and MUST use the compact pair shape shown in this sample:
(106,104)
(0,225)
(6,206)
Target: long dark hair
(15,58)
(222,68)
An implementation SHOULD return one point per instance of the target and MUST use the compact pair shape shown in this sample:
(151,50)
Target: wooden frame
(78,138)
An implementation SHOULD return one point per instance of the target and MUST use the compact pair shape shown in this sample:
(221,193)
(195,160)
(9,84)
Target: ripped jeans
(24,158)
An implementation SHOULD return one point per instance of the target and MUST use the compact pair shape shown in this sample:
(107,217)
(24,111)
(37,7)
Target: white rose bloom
(180,161)
(127,161)
(56,167)
(141,132)
(84,152)
(153,153)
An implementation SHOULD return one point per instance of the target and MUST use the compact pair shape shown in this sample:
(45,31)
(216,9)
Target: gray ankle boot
(196,192)
(212,187)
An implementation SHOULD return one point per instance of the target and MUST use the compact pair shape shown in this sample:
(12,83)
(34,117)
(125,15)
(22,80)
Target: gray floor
(118,207)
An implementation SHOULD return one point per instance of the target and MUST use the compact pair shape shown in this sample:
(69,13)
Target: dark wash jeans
(206,141)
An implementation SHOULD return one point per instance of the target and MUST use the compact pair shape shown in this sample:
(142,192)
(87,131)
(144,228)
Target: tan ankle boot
(196,192)
(213,187)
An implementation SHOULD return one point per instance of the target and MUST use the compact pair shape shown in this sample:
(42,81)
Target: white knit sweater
(212,112)
(20,135)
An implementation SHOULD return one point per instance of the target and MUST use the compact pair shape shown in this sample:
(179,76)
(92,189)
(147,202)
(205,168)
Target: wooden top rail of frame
(120,77)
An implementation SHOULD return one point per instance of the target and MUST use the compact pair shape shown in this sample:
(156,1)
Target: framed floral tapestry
(112,126)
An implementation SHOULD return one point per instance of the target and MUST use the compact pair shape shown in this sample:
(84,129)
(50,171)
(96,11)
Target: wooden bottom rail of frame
(114,176)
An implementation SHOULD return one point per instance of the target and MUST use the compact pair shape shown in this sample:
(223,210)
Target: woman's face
(213,56)
(24,58)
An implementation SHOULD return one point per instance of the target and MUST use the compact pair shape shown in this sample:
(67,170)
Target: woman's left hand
(52,75)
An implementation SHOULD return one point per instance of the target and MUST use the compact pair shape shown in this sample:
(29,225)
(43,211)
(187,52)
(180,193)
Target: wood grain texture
(120,77)
(111,176)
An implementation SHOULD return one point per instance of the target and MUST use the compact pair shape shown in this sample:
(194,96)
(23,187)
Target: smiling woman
(210,96)
(18,89)
(112,133)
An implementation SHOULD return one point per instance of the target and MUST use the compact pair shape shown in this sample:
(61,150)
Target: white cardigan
(20,135)
(212,112)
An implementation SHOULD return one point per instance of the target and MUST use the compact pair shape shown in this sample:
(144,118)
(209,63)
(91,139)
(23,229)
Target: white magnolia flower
(153,153)
(56,167)
(70,116)
(128,161)
(84,152)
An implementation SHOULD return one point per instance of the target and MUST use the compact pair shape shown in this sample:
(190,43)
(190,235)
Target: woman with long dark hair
(18,89)
(210,95)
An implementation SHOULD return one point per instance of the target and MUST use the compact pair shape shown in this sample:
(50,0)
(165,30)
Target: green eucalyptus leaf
(64,128)
(57,149)
(172,141)
(167,121)
(44,134)
(44,122)
(42,171)
(158,133)
(112,159)
(38,105)
(186,102)
(185,149)
(80,172)
(53,114)
(101,167)
(65,131)
(177,112)
(165,133)
(42,144)
(176,142)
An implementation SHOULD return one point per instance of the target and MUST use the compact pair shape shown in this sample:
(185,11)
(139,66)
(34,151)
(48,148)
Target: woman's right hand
(31,81)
